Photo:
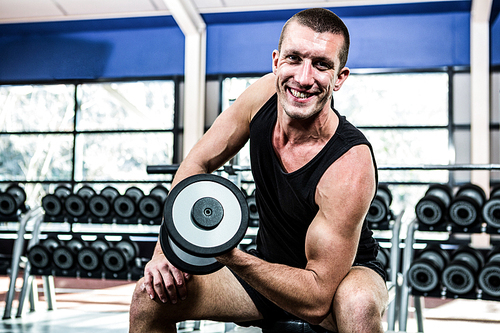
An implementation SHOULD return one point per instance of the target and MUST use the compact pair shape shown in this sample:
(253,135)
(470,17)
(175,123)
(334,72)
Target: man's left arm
(343,196)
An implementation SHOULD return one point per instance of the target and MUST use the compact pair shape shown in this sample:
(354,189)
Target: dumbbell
(99,206)
(379,209)
(125,206)
(19,196)
(160,192)
(110,193)
(384,256)
(425,271)
(150,206)
(62,191)
(204,216)
(253,212)
(40,255)
(75,205)
(432,209)
(86,192)
(8,205)
(489,277)
(120,257)
(460,276)
(64,256)
(52,205)
(491,209)
(465,208)
(90,256)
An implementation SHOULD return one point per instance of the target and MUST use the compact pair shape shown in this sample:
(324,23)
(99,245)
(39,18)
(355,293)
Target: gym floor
(90,305)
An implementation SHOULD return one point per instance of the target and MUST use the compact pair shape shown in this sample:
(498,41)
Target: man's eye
(323,65)
(293,58)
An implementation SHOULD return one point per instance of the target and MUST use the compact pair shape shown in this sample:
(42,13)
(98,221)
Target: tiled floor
(85,305)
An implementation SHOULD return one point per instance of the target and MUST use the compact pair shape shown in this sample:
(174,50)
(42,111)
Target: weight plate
(159,192)
(100,245)
(39,256)
(110,193)
(52,205)
(252,208)
(130,249)
(489,280)
(63,258)
(86,192)
(88,259)
(491,212)
(62,191)
(99,206)
(135,193)
(458,279)
(377,212)
(185,261)
(18,193)
(7,204)
(150,207)
(114,260)
(182,215)
(124,206)
(75,206)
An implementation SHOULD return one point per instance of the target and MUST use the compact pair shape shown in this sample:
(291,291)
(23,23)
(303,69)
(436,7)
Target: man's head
(321,20)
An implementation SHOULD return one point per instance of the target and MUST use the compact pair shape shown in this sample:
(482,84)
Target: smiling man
(315,178)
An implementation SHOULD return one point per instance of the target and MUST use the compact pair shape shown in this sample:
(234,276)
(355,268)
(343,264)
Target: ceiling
(24,11)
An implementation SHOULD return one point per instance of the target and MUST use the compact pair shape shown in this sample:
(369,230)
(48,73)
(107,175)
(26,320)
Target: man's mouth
(299,94)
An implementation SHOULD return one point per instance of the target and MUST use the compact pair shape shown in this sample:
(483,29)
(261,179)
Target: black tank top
(286,201)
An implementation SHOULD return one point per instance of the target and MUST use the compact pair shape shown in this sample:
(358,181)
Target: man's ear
(276,56)
(343,74)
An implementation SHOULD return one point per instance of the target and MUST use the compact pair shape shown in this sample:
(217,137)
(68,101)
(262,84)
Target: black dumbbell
(86,192)
(52,205)
(120,257)
(460,276)
(425,271)
(204,216)
(465,208)
(489,277)
(62,191)
(90,256)
(379,210)
(432,209)
(19,196)
(491,209)
(124,206)
(8,205)
(110,193)
(160,192)
(150,206)
(99,206)
(40,255)
(65,255)
(135,193)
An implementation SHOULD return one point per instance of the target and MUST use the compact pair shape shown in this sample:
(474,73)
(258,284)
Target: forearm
(298,291)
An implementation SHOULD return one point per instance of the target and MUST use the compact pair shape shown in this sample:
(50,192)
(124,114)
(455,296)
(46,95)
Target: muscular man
(315,178)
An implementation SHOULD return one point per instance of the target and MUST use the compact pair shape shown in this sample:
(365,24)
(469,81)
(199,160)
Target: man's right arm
(219,144)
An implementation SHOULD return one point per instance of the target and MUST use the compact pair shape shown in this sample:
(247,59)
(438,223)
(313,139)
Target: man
(315,178)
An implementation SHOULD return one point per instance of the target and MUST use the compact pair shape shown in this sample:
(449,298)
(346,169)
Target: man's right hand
(163,279)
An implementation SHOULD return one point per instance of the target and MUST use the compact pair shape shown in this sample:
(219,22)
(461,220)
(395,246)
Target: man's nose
(304,75)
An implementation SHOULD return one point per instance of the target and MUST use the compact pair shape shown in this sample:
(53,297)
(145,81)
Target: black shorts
(271,312)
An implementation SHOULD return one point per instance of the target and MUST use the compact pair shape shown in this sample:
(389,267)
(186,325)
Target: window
(98,133)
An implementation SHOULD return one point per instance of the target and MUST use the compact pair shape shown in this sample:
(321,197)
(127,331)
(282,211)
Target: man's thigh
(361,288)
(218,296)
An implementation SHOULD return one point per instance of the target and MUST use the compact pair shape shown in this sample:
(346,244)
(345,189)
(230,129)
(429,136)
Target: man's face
(307,70)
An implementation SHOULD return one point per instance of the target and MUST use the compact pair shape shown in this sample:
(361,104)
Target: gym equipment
(75,205)
(89,257)
(160,192)
(99,206)
(114,260)
(489,277)
(86,192)
(465,208)
(109,193)
(379,210)
(460,274)
(150,206)
(40,255)
(19,196)
(204,216)
(384,256)
(491,209)
(52,205)
(425,272)
(135,193)
(432,209)
(65,256)
(8,205)
(62,191)
(124,206)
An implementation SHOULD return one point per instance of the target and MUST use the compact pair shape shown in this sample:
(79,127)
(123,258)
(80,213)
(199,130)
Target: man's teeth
(299,94)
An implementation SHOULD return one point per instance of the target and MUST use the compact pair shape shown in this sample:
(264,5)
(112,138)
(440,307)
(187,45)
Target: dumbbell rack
(456,235)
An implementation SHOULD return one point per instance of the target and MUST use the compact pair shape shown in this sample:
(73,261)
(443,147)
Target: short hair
(321,20)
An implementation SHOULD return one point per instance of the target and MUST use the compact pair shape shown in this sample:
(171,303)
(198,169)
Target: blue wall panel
(92,54)
(495,42)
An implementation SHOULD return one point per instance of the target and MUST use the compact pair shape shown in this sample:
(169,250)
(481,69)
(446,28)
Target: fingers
(165,281)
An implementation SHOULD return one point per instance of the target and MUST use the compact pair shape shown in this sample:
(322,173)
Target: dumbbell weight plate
(205,215)
(52,205)
(185,261)
(63,258)
(99,206)
(114,260)
(88,259)
(130,249)
(7,204)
